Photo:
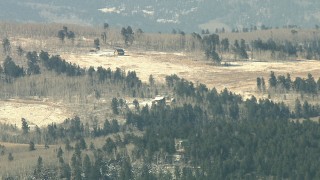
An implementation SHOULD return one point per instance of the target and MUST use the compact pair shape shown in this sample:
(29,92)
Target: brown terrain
(239,77)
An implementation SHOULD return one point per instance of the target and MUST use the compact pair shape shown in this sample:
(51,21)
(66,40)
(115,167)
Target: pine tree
(82,144)
(242,49)
(39,167)
(126,169)
(109,146)
(33,67)
(96,43)
(298,108)
(31,146)
(25,126)
(263,85)
(272,80)
(68,147)
(20,51)
(61,35)
(75,167)
(6,46)
(10,157)
(115,105)
(11,69)
(259,83)
(86,167)
(59,153)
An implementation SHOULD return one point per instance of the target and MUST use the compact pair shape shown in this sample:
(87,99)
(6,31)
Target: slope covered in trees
(200,133)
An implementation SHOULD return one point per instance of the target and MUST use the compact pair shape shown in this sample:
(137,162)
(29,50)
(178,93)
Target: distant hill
(165,15)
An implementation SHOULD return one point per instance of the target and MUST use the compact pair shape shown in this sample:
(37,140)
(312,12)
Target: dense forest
(196,133)
(224,136)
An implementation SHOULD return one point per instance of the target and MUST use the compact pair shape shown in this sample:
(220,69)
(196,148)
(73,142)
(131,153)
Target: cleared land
(38,113)
(239,77)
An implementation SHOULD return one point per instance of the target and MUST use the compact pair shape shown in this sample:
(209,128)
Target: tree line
(229,138)
(283,83)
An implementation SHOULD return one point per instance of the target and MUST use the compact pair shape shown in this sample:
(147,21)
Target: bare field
(239,77)
(40,113)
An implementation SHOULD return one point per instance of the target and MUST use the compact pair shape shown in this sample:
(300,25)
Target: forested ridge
(224,136)
(192,132)
(234,139)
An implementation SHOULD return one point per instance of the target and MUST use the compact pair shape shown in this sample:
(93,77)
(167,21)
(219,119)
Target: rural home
(159,100)
(119,52)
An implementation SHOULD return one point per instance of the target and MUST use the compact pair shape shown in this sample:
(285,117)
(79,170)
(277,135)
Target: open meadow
(237,76)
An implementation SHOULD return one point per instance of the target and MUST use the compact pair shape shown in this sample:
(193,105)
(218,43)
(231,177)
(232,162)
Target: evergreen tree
(25,127)
(115,128)
(64,171)
(61,35)
(225,44)
(242,49)
(82,143)
(33,67)
(31,146)
(71,35)
(145,173)
(115,105)
(39,168)
(306,110)
(263,85)
(136,104)
(298,108)
(6,46)
(126,169)
(10,157)
(76,163)
(96,43)
(105,25)
(68,147)
(212,54)
(259,83)
(128,35)
(272,80)
(311,84)
(109,146)
(210,44)
(151,80)
(20,51)
(288,82)
(86,167)
(11,69)
(59,153)
(92,147)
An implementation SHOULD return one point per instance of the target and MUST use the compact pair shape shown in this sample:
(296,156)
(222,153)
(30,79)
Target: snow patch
(110,10)
(168,21)
(151,13)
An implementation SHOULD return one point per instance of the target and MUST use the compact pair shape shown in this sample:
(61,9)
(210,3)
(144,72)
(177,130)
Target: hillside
(154,15)
(166,109)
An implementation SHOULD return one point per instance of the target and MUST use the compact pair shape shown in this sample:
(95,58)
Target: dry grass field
(239,77)
(25,160)
(40,113)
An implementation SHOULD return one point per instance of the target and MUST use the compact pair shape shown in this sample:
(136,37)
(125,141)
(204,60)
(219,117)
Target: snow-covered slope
(165,15)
